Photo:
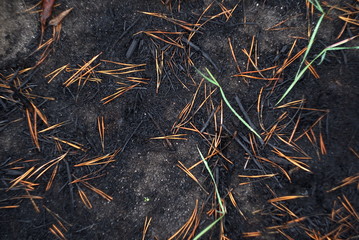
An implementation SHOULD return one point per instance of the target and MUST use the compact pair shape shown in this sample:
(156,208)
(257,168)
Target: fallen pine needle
(171,137)
(285,198)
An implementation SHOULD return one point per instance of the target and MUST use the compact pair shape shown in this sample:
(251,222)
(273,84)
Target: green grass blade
(300,73)
(207,228)
(324,52)
(212,79)
(237,115)
(311,42)
(214,182)
(317,5)
(223,210)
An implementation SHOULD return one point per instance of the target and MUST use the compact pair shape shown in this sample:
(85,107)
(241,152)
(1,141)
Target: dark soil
(145,180)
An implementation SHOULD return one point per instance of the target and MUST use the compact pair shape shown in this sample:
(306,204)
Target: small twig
(245,114)
(205,125)
(125,32)
(237,140)
(129,138)
(198,49)
(70,185)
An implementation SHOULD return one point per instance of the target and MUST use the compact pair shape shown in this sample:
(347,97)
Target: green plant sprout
(322,54)
(222,211)
(212,80)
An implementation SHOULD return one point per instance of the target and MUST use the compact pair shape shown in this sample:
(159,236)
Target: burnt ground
(316,138)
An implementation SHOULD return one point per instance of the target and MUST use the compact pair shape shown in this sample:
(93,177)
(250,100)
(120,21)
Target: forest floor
(102,127)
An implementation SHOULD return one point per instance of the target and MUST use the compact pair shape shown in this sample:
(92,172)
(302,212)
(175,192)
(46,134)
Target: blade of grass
(300,72)
(222,209)
(212,80)
(322,54)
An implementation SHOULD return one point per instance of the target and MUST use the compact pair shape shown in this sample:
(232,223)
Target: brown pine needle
(262,70)
(120,91)
(39,113)
(171,137)
(101,130)
(258,176)
(26,197)
(84,198)
(286,62)
(209,19)
(98,191)
(276,165)
(138,80)
(283,208)
(49,183)
(31,8)
(87,75)
(120,71)
(45,44)
(37,209)
(52,127)
(32,128)
(192,221)
(285,198)
(59,219)
(234,56)
(127,65)
(323,149)
(312,70)
(233,201)
(48,165)
(342,31)
(354,152)
(251,234)
(198,20)
(29,185)
(280,23)
(77,74)
(9,207)
(259,104)
(55,73)
(57,232)
(188,172)
(291,104)
(227,12)
(297,163)
(287,224)
(250,53)
(350,20)
(74,145)
(183,117)
(146,225)
(20,178)
(183,24)
(167,40)
(97,161)
(159,67)
(253,63)
(349,207)
(254,77)
(313,125)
